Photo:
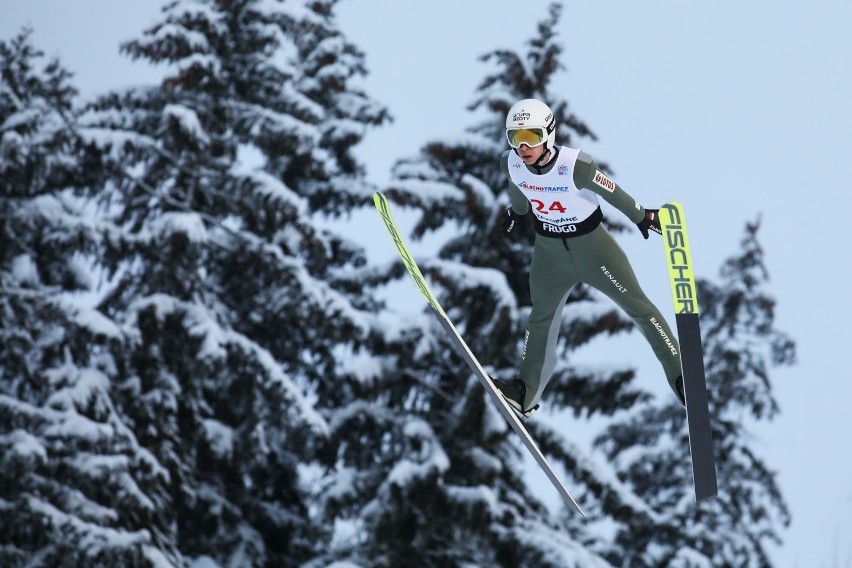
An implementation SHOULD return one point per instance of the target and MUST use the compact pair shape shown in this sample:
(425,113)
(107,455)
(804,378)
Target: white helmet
(530,122)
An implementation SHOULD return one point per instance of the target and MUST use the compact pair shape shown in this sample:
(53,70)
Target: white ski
(508,413)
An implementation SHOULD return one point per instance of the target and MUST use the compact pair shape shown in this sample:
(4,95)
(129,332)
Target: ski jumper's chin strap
(551,155)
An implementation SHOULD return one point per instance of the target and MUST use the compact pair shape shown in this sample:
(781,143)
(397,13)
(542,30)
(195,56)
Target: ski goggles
(532,137)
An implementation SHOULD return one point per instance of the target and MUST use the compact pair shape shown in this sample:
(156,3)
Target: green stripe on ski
(678,258)
(383,208)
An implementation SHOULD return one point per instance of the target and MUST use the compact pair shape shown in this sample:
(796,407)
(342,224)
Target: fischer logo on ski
(678,259)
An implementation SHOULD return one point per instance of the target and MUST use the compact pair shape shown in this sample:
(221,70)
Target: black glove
(510,219)
(650,222)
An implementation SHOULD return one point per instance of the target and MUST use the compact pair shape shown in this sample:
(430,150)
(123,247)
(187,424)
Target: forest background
(739,113)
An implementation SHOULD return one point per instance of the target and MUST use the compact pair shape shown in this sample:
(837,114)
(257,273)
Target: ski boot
(514,393)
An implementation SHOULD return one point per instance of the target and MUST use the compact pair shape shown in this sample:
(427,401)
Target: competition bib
(554,198)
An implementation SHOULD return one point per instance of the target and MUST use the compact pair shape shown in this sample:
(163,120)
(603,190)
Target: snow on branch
(275,10)
(195,11)
(270,186)
(177,223)
(216,339)
(23,446)
(77,388)
(115,142)
(425,456)
(202,61)
(612,492)
(188,122)
(558,547)
(172,31)
(480,189)
(421,193)
(466,277)
(95,540)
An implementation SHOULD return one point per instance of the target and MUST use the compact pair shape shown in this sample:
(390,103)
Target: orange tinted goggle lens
(530,136)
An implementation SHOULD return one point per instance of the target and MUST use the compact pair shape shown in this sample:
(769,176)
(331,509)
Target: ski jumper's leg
(602,264)
(552,276)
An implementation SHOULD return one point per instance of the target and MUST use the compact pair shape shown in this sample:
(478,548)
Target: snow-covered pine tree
(240,316)
(650,448)
(326,172)
(458,493)
(76,487)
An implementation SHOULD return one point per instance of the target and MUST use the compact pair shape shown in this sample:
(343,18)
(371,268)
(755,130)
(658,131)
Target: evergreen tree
(649,447)
(230,312)
(76,487)
(239,315)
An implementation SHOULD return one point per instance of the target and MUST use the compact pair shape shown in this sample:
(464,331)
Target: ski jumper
(572,246)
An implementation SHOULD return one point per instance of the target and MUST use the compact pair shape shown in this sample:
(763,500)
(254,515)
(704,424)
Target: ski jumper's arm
(588,175)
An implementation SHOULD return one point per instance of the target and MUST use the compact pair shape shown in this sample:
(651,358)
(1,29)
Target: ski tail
(685,298)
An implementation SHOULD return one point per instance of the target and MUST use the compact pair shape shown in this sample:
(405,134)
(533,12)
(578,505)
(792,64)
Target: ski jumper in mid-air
(561,186)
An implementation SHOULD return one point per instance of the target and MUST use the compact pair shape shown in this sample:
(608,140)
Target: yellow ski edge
(383,207)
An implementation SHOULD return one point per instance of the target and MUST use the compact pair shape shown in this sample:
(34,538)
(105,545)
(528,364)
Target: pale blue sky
(732,108)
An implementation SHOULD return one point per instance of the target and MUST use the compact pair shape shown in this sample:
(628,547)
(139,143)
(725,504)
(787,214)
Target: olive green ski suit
(594,258)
